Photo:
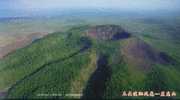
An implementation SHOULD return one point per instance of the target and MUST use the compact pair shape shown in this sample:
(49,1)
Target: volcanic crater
(108,32)
(134,51)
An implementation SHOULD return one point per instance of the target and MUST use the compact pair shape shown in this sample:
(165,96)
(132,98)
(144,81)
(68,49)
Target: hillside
(98,61)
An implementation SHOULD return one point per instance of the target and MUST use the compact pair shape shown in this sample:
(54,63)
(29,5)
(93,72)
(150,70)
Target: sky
(16,7)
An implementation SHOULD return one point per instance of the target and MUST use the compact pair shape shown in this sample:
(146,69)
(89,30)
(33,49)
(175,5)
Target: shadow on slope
(97,82)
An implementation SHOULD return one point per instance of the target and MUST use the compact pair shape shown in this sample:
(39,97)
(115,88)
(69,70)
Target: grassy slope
(169,43)
(55,61)
(28,59)
(55,78)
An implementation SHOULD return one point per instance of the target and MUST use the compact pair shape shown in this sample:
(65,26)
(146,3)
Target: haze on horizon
(23,7)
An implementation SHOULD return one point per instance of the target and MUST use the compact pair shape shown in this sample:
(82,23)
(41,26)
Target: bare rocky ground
(141,54)
(2,94)
(18,42)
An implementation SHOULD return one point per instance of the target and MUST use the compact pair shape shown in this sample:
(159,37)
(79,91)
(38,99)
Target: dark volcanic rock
(165,59)
(122,35)
(137,52)
(86,42)
(107,32)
